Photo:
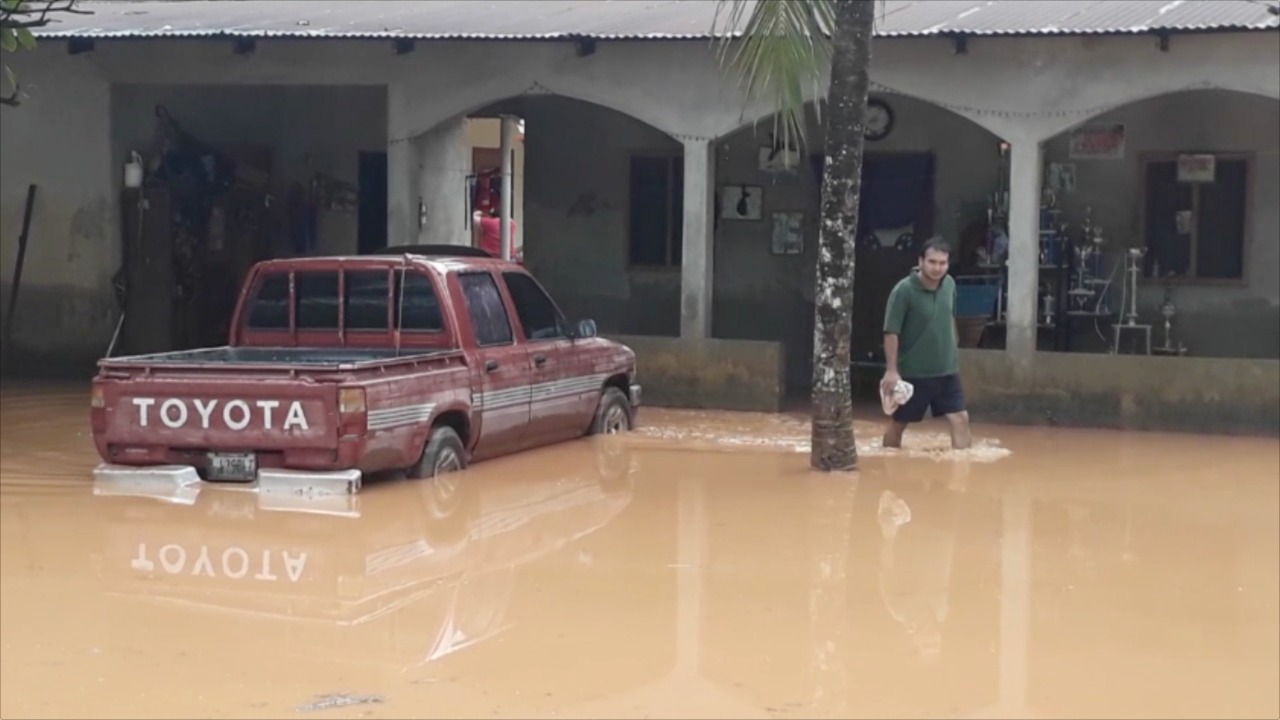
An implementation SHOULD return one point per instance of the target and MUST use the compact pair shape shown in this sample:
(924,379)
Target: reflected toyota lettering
(232,562)
(235,414)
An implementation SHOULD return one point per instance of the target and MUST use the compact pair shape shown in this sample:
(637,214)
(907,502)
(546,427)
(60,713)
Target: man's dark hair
(937,244)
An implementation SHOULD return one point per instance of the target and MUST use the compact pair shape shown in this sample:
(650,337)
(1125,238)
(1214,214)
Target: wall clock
(879,120)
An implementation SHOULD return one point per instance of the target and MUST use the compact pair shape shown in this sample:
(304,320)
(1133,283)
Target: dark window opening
(418,308)
(484,305)
(537,313)
(656,232)
(270,308)
(317,299)
(366,300)
(1196,229)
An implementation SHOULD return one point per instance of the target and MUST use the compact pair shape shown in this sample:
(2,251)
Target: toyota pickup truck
(340,367)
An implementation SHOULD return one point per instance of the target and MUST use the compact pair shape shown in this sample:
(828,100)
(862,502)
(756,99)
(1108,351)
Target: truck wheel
(613,415)
(444,453)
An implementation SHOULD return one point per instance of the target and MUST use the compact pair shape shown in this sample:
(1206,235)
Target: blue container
(975,300)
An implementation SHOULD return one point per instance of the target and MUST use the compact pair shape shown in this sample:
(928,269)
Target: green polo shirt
(924,321)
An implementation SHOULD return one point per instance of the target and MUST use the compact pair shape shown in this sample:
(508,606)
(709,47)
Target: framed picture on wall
(741,202)
(787,237)
(778,160)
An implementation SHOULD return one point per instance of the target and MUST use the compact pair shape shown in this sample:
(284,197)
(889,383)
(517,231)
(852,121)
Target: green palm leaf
(782,49)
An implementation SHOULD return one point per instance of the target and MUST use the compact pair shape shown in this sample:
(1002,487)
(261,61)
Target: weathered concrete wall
(1223,320)
(1013,86)
(1211,395)
(59,139)
(577,209)
(443,161)
(709,373)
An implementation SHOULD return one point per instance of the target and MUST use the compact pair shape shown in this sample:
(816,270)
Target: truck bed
(275,357)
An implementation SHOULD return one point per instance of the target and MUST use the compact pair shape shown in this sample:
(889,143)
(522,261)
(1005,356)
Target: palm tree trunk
(833,445)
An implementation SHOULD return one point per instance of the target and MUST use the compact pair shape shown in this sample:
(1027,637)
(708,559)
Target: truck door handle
(539,360)
(491,365)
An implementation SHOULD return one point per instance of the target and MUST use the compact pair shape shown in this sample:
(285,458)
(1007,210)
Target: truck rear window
(367,294)
(419,308)
(365,297)
(317,300)
(270,310)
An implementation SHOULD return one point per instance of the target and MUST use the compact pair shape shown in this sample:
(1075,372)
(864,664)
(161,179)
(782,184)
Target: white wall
(1216,319)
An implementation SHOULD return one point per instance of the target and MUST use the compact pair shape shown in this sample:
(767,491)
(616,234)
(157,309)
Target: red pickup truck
(422,360)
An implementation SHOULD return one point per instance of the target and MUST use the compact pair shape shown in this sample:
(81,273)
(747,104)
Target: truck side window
(317,300)
(484,304)
(270,308)
(418,307)
(537,313)
(366,300)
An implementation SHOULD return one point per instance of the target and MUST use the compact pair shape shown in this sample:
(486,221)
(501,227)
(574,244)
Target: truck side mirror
(585,328)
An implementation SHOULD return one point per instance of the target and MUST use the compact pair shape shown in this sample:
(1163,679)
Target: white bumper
(177,478)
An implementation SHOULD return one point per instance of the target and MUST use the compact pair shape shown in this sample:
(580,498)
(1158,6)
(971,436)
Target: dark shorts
(943,395)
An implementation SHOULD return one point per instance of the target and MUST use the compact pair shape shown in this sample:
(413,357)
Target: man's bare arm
(890,353)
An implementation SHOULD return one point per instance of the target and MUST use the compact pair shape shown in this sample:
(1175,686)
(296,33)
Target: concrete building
(639,149)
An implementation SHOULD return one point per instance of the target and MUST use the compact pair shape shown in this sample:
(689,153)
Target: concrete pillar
(506,129)
(402,177)
(441,162)
(1024,249)
(697,260)
(402,193)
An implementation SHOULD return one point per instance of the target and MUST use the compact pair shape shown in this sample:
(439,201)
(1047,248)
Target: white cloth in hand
(891,401)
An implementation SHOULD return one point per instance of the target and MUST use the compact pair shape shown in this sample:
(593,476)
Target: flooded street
(693,569)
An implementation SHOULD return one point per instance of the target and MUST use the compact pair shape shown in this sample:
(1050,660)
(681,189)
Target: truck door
(501,397)
(565,392)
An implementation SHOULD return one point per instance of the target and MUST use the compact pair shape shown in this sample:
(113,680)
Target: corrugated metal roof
(627,19)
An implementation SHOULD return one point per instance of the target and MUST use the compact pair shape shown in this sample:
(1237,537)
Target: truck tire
(613,414)
(443,453)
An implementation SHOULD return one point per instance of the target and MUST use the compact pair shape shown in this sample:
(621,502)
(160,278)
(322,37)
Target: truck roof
(443,257)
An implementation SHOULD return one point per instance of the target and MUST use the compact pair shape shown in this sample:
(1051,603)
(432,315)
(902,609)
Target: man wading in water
(920,346)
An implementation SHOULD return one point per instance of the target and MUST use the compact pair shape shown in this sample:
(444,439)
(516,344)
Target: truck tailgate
(222,414)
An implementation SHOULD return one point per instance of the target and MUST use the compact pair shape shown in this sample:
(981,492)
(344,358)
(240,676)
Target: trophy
(1168,310)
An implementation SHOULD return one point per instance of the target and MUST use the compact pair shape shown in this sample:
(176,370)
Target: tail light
(352,412)
(98,408)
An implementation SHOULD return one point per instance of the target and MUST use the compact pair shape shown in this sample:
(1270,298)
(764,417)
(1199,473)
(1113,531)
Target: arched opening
(1174,194)
(927,172)
(597,204)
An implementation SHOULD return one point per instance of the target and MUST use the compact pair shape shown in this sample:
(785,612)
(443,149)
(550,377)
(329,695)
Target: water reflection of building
(403,574)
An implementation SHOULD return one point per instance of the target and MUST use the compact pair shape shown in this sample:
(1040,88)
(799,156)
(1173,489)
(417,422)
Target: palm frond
(783,47)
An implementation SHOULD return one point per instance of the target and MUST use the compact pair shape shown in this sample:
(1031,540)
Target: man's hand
(890,381)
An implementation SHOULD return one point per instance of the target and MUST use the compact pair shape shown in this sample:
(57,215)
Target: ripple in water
(789,433)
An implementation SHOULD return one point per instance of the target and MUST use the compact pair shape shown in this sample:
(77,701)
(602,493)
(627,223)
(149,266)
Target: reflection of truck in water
(404,572)
(338,367)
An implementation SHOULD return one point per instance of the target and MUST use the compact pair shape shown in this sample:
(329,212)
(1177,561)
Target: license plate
(242,467)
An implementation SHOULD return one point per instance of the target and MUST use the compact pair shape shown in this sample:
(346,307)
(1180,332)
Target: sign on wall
(1196,168)
(1098,142)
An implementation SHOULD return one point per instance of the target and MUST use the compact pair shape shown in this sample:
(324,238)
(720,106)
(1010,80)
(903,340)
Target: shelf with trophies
(1055,307)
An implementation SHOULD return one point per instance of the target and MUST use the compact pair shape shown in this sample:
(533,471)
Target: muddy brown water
(692,569)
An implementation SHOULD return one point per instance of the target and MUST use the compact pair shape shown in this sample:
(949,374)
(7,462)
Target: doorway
(371,231)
